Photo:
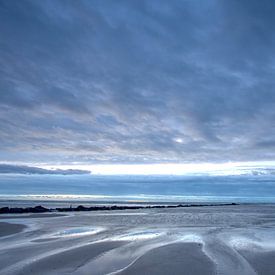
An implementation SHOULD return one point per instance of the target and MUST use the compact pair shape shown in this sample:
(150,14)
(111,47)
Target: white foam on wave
(79,231)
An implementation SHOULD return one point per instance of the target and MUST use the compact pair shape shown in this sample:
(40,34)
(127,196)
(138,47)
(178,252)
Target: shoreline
(41,209)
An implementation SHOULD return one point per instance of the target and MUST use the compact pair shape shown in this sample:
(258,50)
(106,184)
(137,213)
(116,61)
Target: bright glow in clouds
(230,168)
(179,140)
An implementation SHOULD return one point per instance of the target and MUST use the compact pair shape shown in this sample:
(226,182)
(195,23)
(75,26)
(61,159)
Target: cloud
(22,169)
(109,82)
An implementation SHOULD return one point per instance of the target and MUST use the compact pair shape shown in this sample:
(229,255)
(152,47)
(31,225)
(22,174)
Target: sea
(64,190)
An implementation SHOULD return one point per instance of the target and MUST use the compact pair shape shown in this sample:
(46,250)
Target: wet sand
(172,259)
(30,216)
(9,229)
(70,260)
(224,240)
(261,261)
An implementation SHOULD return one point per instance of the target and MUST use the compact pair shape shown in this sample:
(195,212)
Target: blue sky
(136,82)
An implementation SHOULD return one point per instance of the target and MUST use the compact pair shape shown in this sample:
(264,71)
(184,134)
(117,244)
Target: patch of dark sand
(69,260)
(7,229)
(263,262)
(22,216)
(179,258)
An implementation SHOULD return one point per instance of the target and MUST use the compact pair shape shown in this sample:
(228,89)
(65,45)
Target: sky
(136,82)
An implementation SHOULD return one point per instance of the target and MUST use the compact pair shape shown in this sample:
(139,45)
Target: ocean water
(139,189)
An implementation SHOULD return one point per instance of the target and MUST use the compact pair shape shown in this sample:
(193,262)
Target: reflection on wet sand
(223,240)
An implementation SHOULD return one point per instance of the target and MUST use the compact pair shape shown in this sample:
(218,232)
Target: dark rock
(81,208)
(41,209)
(17,210)
(4,210)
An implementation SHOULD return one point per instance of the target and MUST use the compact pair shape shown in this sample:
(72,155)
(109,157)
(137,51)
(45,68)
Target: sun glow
(230,168)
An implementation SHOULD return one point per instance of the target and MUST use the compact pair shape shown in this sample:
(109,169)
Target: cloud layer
(23,169)
(137,81)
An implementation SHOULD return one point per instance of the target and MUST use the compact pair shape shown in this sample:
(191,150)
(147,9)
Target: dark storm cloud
(22,169)
(137,81)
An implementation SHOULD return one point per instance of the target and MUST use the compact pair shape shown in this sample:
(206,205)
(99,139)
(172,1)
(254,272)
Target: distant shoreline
(41,209)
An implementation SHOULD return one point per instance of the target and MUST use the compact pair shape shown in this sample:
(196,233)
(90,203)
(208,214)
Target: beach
(231,239)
